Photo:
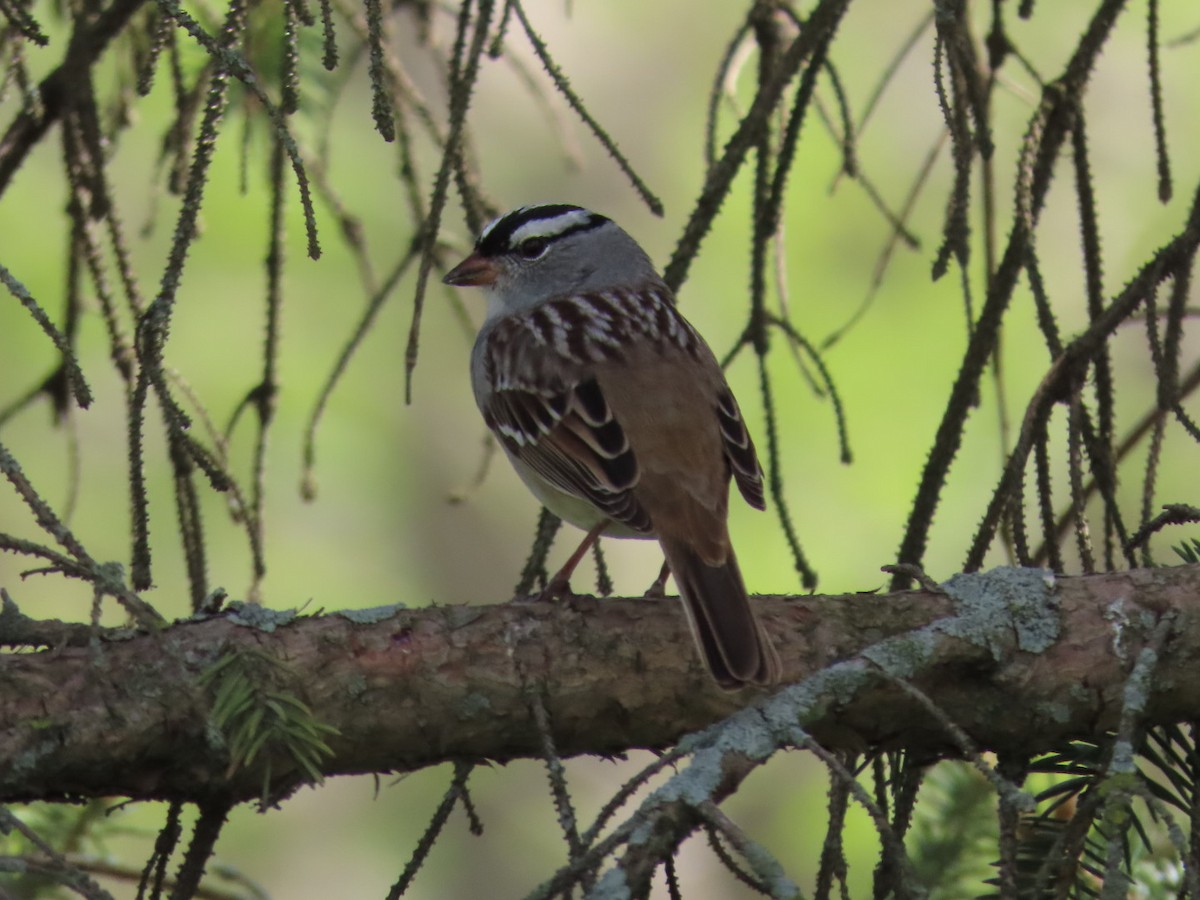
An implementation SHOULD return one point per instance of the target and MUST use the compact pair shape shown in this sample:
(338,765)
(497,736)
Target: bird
(615,413)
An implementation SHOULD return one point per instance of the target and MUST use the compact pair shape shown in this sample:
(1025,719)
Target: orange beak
(474,271)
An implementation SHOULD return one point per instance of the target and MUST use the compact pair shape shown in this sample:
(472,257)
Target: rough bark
(1017,658)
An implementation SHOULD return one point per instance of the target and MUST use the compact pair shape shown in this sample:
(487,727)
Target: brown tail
(731,641)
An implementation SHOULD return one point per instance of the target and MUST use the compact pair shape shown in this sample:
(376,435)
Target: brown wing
(544,400)
(570,438)
(739,450)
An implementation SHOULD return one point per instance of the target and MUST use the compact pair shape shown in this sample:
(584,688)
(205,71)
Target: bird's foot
(557,589)
(658,590)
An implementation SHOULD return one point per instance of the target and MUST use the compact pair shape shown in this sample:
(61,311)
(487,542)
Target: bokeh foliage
(168,171)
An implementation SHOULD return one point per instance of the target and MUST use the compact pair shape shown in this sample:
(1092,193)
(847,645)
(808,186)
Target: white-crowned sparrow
(615,413)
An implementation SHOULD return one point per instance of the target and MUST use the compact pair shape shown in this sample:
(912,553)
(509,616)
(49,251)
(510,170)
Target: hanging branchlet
(823,21)
(205,833)
(107,577)
(228,63)
(1103,469)
(833,868)
(556,773)
(456,792)
(1149,481)
(1075,467)
(899,234)
(214,111)
(184,454)
(1048,129)
(724,76)
(534,573)
(463,71)
(139,525)
(154,325)
(381,101)
(308,481)
(768,37)
(604,582)
(1050,553)
(289,82)
(31,101)
(956,230)
(1167,359)
(176,141)
(43,104)
(190,523)
(1041,303)
(844,132)
(154,874)
(721,831)
(671,876)
(771,211)
(160,29)
(808,576)
(86,145)
(79,386)
(894,873)
(24,23)
(1011,812)
(1162,157)
(908,775)
(1093,268)
(496,48)
(45,865)
(564,88)
(827,384)
(264,396)
(1016,523)
(330,57)
(1066,370)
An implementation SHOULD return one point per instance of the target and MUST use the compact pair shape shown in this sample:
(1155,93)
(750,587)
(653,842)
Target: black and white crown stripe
(547,222)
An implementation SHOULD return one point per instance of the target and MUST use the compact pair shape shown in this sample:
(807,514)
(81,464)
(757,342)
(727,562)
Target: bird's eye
(532,248)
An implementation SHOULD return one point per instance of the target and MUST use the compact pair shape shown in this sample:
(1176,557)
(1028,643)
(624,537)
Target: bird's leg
(560,584)
(659,588)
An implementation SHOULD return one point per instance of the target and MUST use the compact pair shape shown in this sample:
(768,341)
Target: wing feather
(568,436)
(534,383)
(739,450)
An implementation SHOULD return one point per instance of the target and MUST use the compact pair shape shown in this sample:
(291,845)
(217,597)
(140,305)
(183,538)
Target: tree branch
(1016,658)
(55,93)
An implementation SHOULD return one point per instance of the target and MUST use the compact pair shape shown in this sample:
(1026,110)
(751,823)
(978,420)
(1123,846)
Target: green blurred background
(383,528)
